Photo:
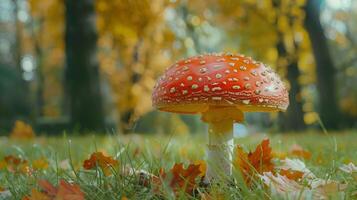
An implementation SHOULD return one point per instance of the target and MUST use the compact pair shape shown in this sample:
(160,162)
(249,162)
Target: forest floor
(316,166)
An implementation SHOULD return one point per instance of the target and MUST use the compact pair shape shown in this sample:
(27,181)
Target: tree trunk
(293,118)
(82,68)
(325,70)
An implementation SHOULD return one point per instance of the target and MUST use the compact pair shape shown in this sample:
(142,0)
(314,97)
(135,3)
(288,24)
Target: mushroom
(220,87)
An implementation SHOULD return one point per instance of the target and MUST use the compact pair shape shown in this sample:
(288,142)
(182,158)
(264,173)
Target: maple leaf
(298,151)
(99,159)
(184,178)
(258,161)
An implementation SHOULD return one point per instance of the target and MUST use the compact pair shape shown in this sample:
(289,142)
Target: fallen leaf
(291,174)
(64,191)
(99,159)
(67,191)
(37,195)
(298,151)
(203,167)
(47,187)
(258,161)
(296,165)
(185,178)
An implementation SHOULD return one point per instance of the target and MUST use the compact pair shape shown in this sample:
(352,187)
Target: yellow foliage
(22,130)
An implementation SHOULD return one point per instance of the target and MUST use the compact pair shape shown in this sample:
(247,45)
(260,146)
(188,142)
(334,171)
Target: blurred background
(90,65)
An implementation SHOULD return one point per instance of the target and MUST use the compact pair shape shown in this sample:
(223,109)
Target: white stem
(219,150)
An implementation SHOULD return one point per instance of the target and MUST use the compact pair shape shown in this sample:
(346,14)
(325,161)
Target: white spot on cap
(246,101)
(184,91)
(189,78)
(231,64)
(236,87)
(216,89)
(203,70)
(172,90)
(205,88)
(202,62)
(246,78)
(184,68)
(243,68)
(247,86)
(194,86)
(218,76)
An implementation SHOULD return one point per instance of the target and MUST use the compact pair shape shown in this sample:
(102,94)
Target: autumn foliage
(258,161)
(22,130)
(64,191)
(98,159)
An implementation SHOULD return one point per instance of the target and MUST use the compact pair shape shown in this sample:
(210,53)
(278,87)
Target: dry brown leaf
(99,159)
(67,191)
(64,191)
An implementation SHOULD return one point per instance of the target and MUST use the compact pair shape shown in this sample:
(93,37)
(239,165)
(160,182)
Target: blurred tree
(325,69)
(133,52)
(82,68)
(267,30)
(46,41)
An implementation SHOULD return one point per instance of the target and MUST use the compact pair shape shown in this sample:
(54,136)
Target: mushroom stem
(219,150)
(220,140)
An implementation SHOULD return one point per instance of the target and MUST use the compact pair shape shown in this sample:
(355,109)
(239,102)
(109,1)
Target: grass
(154,152)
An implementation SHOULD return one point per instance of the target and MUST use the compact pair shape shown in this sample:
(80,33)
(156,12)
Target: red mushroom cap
(223,80)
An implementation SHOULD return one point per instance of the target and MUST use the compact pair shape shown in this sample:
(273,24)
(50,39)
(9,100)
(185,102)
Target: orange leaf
(99,159)
(291,174)
(203,167)
(22,130)
(258,161)
(47,187)
(184,178)
(68,191)
(298,151)
(37,195)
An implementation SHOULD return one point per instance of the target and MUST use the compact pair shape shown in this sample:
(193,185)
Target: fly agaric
(220,87)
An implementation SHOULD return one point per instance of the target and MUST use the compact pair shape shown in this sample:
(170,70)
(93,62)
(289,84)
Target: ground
(65,156)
